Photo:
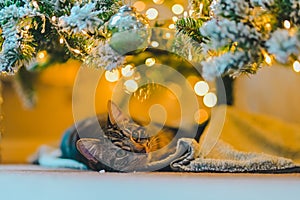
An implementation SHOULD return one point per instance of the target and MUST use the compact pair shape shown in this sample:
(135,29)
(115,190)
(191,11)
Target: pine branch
(190,27)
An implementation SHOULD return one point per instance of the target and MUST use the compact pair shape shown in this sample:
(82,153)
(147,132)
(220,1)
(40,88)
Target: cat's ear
(115,115)
(88,147)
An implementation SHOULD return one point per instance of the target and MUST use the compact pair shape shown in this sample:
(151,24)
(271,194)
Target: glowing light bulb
(172,26)
(112,76)
(296,66)
(201,8)
(150,62)
(210,100)
(287,24)
(201,116)
(53,18)
(185,14)
(127,71)
(174,18)
(158,1)
(201,88)
(131,85)
(76,51)
(41,54)
(177,9)
(61,40)
(140,6)
(268,59)
(168,35)
(154,44)
(151,13)
(35,4)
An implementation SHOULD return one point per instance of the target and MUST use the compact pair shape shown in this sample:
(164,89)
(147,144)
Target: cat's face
(127,137)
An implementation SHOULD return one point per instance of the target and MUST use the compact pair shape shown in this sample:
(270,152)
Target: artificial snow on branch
(240,36)
(64,28)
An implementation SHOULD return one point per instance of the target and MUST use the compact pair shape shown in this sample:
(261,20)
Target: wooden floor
(33,182)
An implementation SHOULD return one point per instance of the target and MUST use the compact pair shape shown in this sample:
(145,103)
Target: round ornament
(129,32)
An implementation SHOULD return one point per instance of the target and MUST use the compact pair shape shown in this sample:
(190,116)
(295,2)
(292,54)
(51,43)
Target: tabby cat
(114,142)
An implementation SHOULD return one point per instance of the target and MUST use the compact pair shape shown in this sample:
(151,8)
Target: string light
(76,51)
(210,100)
(112,76)
(201,88)
(168,35)
(268,26)
(35,4)
(53,18)
(201,9)
(201,116)
(174,18)
(151,13)
(150,62)
(127,71)
(131,85)
(296,66)
(172,26)
(154,44)
(61,40)
(139,5)
(185,14)
(41,54)
(287,24)
(177,9)
(268,59)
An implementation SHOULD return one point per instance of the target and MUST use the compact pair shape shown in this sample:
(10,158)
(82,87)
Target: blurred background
(26,125)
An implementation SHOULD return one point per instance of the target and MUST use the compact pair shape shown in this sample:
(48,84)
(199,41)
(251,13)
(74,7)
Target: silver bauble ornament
(129,32)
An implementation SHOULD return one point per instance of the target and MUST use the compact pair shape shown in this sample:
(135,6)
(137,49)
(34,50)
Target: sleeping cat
(114,142)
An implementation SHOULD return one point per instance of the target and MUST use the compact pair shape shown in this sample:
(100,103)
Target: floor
(33,182)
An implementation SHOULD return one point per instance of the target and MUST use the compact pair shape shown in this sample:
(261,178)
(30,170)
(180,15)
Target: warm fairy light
(210,99)
(201,88)
(201,116)
(35,4)
(177,9)
(172,26)
(268,59)
(131,85)
(185,14)
(268,26)
(112,76)
(174,18)
(201,9)
(191,12)
(150,62)
(76,51)
(127,71)
(140,6)
(154,44)
(41,54)
(287,24)
(158,1)
(61,40)
(152,13)
(168,35)
(27,27)
(53,18)
(296,66)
